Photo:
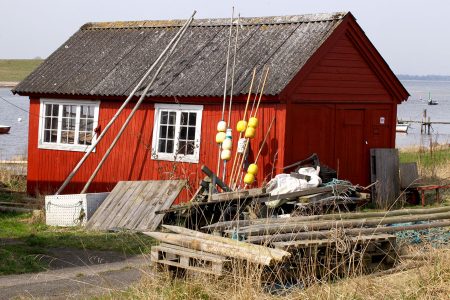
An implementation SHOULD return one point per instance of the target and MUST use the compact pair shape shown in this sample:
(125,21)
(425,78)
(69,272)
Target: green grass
(34,238)
(17,69)
(426,158)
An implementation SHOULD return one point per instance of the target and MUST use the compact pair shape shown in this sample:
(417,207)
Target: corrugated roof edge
(215,22)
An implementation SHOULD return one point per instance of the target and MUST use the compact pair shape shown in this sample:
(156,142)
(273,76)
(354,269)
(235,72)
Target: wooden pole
(323,225)
(351,232)
(232,90)
(240,134)
(241,163)
(116,115)
(344,216)
(136,107)
(225,86)
(264,141)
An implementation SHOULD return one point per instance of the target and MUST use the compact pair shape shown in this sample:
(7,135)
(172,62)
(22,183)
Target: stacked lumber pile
(197,251)
(362,241)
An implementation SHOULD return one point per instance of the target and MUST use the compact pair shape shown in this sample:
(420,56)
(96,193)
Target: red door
(351,146)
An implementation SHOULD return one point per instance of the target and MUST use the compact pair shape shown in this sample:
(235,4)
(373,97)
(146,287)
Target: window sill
(61,147)
(172,158)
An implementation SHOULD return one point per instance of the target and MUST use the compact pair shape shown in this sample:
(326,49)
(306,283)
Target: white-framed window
(67,124)
(176,132)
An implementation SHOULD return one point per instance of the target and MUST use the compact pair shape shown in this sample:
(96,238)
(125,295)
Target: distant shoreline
(8,84)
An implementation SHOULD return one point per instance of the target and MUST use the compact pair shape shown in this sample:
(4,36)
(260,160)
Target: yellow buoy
(225,154)
(252,169)
(249,178)
(220,137)
(250,132)
(222,126)
(227,144)
(253,122)
(241,126)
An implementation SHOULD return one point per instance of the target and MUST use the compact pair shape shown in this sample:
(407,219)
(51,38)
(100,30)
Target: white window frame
(178,108)
(58,145)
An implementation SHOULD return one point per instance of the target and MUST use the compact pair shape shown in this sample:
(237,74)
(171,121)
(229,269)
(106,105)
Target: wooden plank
(192,252)
(329,241)
(236,195)
(118,205)
(157,193)
(384,166)
(139,209)
(151,221)
(133,205)
(100,214)
(409,175)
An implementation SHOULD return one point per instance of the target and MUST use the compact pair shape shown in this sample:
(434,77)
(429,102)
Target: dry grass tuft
(425,274)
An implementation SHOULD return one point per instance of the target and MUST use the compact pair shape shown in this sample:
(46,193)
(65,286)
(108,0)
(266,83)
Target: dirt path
(76,282)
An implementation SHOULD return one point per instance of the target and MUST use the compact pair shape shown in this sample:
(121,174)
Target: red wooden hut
(329,89)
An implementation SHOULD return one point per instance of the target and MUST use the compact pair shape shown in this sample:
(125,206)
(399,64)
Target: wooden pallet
(189,259)
(131,205)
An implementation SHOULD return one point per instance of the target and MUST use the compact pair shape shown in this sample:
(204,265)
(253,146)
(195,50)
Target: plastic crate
(71,210)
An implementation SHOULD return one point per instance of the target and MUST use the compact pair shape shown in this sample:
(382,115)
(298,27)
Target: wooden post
(116,115)
(136,107)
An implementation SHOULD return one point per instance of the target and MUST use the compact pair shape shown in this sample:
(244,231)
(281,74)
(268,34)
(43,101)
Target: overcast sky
(412,35)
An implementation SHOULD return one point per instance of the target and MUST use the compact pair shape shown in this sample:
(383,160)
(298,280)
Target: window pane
(171,132)
(191,133)
(55,123)
(48,109)
(65,123)
(91,112)
(163,131)
(190,148)
(184,118)
(169,148)
(47,136)
(172,117)
(48,123)
(162,145)
(90,125)
(55,109)
(69,111)
(192,119)
(182,147)
(82,138)
(88,138)
(163,118)
(82,125)
(183,132)
(54,136)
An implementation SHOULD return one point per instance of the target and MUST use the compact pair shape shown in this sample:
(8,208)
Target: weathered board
(132,205)
(384,165)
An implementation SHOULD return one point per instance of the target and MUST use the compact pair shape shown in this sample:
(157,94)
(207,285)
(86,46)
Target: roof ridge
(306,18)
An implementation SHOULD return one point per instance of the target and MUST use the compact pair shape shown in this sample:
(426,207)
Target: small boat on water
(4,129)
(431,101)
(402,127)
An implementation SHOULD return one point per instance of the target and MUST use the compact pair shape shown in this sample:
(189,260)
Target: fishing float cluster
(224,139)
(250,132)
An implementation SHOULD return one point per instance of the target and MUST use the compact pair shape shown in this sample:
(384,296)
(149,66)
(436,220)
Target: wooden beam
(215,179)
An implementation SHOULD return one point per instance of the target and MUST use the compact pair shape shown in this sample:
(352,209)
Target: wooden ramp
(132,205)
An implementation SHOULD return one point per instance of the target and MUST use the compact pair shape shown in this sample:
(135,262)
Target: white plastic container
(71,210)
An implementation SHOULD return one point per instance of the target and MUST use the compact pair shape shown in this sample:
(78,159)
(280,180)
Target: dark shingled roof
(109,58)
